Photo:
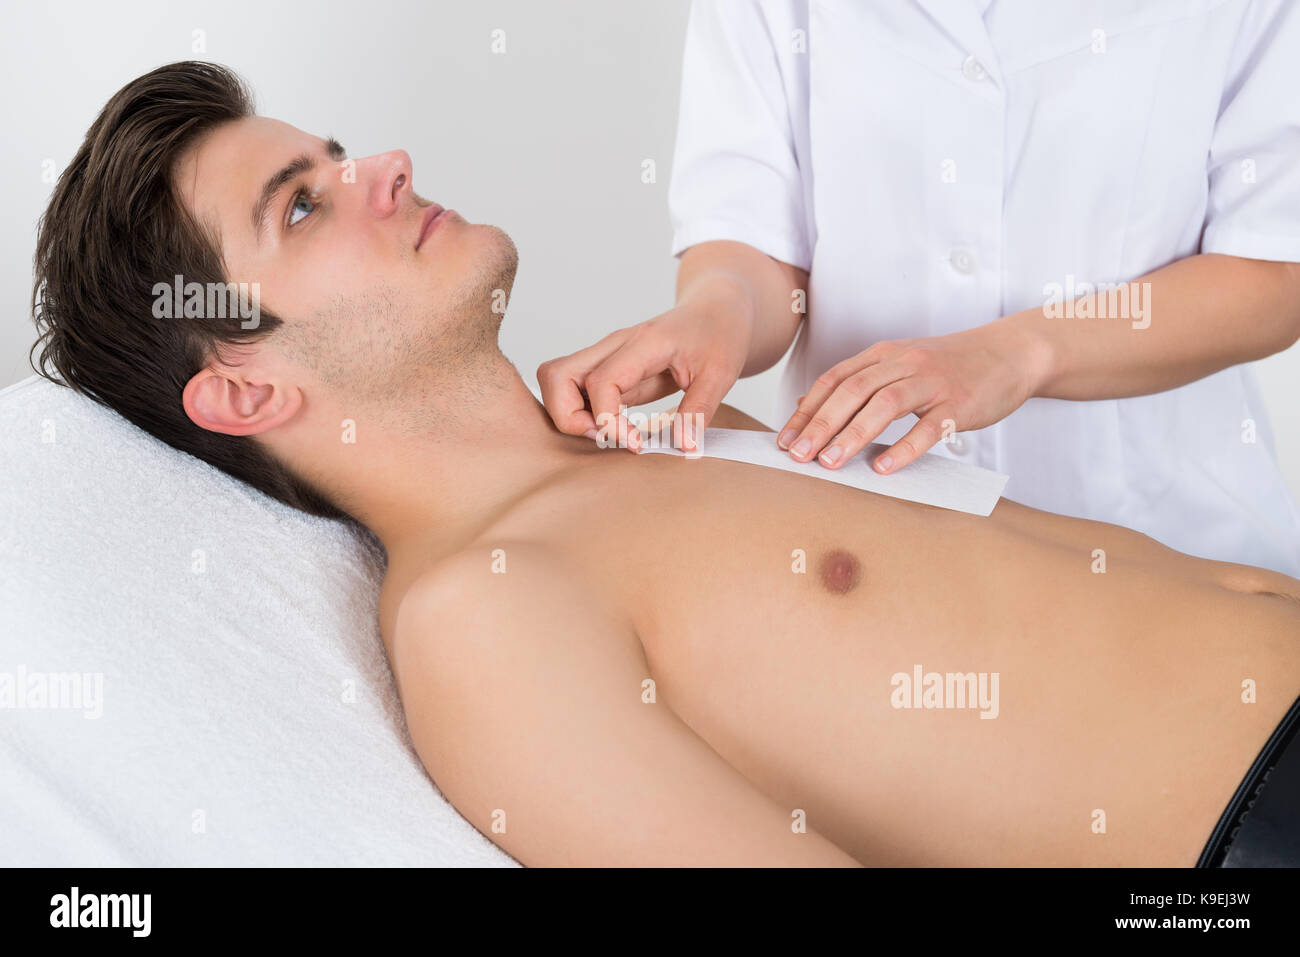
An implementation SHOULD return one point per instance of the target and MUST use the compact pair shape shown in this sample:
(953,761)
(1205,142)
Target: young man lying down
(622,659)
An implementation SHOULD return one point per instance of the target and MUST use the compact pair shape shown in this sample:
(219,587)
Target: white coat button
(956,444)
(963,260)
(973,70)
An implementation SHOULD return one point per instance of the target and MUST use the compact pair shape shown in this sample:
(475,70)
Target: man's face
(335,255)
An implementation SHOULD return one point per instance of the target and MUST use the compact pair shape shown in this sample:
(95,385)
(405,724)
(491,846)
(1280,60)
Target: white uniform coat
(937,164)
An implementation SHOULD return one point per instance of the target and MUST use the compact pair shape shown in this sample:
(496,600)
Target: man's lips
(428,223)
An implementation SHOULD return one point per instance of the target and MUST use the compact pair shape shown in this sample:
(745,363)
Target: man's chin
(497,274)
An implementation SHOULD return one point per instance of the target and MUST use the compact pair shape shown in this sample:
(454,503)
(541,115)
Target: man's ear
(221,400)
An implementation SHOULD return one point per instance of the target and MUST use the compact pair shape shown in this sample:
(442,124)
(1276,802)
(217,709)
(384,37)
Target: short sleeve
(735,171)
(1254,164)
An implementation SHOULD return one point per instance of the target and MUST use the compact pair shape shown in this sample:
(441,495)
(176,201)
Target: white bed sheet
(249,716)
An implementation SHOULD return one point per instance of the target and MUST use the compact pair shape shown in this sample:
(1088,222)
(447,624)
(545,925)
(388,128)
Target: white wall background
(546,141)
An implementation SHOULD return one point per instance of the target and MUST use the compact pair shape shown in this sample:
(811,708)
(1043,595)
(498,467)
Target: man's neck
(432,466)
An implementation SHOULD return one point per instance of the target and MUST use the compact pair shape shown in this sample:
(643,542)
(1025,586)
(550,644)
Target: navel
(840,571)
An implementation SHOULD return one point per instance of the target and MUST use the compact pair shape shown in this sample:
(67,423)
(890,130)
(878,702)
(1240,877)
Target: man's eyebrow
(300,164)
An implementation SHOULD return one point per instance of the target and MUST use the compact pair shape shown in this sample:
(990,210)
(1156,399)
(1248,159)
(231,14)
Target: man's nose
(390,177)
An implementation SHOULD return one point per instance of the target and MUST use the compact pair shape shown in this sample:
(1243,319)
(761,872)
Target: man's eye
(302,203)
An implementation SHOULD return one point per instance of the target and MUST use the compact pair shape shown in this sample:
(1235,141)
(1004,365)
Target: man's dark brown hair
(114,227)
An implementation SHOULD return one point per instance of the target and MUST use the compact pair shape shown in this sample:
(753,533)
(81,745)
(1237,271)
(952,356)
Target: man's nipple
(840,571)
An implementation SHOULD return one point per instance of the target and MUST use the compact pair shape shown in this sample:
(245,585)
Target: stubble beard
(424,373)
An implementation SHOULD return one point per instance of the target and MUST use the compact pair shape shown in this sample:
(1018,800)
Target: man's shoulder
(478,609)
(481,570)
(729,417)
(486,587)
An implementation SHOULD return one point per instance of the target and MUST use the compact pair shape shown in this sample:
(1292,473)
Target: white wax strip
(931,479)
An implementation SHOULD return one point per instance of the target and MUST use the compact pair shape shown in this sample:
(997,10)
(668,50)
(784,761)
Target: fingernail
(883,463)
(831,455)
(591,434)
(688,437)
(785,438)
(802,448)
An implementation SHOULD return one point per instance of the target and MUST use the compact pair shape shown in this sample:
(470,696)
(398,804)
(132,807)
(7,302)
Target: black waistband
(1261,825)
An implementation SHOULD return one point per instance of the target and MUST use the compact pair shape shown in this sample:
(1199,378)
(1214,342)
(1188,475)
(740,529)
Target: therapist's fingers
(920,439)
(648,390)
(642,355)
(816,424)
(822,389)
(611,424)
(562,382)
(697,408)
(892,402)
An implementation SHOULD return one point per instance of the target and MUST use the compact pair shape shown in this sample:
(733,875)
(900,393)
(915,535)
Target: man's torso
(775,612)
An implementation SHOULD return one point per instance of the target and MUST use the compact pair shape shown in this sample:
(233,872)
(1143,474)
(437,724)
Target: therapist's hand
(699,345)
(968,380)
